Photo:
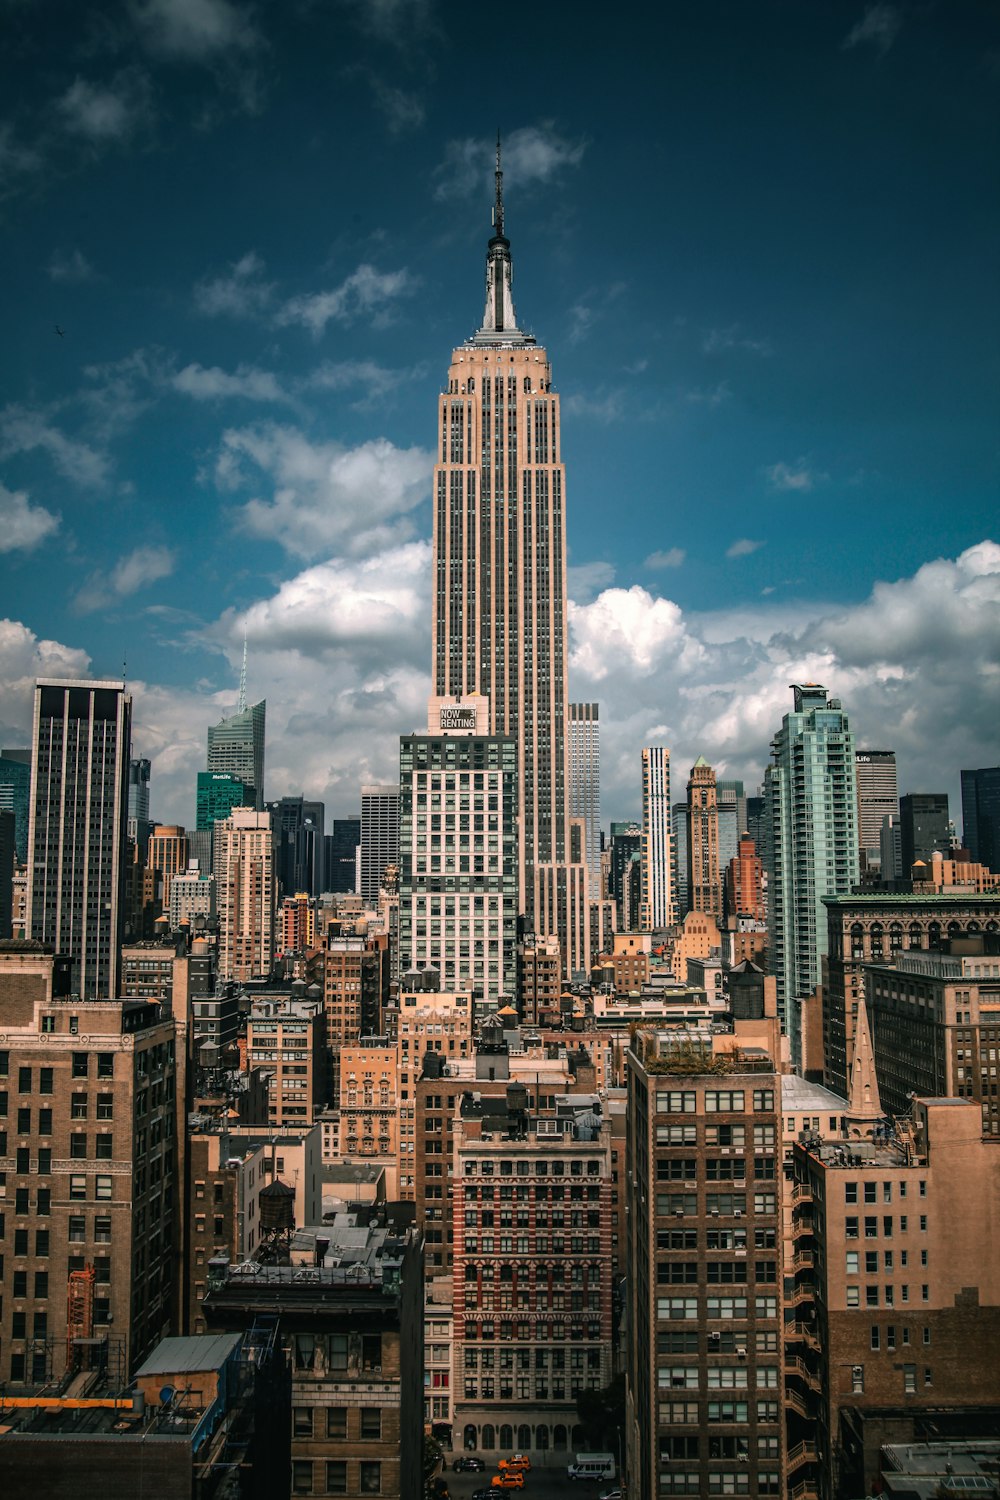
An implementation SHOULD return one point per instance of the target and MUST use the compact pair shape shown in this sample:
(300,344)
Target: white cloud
(878,28)
(23,430)
(70,267)
(404,112)
(325,496)
(797,476)
(743,547)
(138,568)
(103,114)
(374,379)
(17,161)
(364,291)
(23,525)
(241,293)
(398,22)
(719,340)
(607,406)
(711,397)
(246,383)
(195,29)
(23,658)
(673,557)
(584,580)
(532,154)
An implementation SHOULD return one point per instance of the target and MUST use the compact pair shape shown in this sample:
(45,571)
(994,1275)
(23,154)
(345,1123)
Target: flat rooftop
(798,1093)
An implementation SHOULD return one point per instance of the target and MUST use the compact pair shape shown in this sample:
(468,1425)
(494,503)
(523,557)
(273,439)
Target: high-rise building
(236,745)
(679,823)
(499,616)
(341,855)
(626,845)
(890,845)
(246,894)
(218,793)
(7,850)
(878,796)
(192,895)
(924,827)
(167,854)
(379,838)
(811,848)
(745,884)
(704,1278)
(704,882)
(77,838)
(656,900)
(731,816)
(15,795)
(458,852)
(139,823)
(584,742)
(88,1277)
(980,815)
(298,830)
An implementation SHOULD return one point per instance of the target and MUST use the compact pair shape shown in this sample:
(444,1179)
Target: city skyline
(231,426)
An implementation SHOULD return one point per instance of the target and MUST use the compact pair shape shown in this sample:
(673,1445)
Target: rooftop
(181,1356)
(798,1093)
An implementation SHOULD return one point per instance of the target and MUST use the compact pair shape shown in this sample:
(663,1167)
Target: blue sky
(759,242)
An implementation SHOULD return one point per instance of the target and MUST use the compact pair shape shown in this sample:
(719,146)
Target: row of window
(852,1223)
(80,1068)
(717,1101)
(330,1477)
(870,1190)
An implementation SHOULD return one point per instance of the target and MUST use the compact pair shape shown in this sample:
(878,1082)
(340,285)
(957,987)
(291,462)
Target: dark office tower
(298,833)
(878,796)
(924,830)
(15,794)
(499,617)
(731,805)
(139,824)
(236,745)
(626,843)
(980,815)
(342,855)
(77,835)
(379,837)
(6,874)
(679,820)
(756,821)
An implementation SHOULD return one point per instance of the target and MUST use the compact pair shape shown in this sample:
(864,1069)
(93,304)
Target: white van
(592,1466)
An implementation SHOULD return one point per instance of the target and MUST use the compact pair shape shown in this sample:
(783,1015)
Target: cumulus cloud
(241,292)
(878,28)
(246,383)
(138,568)
(105,113)
(324,496)
(24,430)
(374,380)
(23,525)
(195,30)
(17,160)
(673,557)
(72,266)
(584,580)
(23,658)
(798,476)
(532,154)
(402,110)
(743,547)
(364,291)
(720,340)
(398,22)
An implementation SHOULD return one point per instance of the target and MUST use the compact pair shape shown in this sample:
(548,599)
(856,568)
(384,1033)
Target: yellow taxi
(508,1479)
(517,1461)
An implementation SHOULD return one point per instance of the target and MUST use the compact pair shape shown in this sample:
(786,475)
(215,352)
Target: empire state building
(500,584)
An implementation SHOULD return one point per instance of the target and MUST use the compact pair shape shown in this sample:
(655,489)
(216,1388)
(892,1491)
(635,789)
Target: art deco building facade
(77,834)
(656,899)
(499,615)
(704,885)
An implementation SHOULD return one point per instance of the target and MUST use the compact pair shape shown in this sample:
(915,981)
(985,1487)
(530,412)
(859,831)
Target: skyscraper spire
(499,319)
(241,707)
(498,210)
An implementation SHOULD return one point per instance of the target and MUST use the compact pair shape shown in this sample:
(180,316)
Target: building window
(336,1425)
(371,1478)
(78,1186)
(81,1065)
(302,1421)
(371,1422)
(45,1080)
(336,1476)
(302,1476)
(77,1229)
(103,1187)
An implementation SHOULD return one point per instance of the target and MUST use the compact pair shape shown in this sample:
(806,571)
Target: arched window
(559,1436)
(542,1437)
(934,934)
(896,937)
(876,936)
(857,940)
(524,1437)
(916,935)
(488,1439)
(506,1437)
(469,1439)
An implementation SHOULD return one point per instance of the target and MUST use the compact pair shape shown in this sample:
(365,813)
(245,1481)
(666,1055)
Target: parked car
(508,1479)
(616,1494)
(516,1461)
(488,1495)
(469,1465)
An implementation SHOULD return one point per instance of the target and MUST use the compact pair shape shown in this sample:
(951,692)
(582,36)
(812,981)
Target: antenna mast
(498,209)
(242,706)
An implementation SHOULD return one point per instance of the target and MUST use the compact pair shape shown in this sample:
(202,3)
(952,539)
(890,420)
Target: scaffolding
(79,1310)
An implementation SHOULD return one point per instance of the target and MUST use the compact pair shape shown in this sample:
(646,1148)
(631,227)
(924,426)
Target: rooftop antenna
(498,208)
(242,705)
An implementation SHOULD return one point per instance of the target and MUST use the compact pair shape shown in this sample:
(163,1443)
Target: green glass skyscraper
(218,793)
(811,846)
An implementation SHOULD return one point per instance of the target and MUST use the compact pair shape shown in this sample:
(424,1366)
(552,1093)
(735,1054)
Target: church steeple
(865,1104)
(499,318)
